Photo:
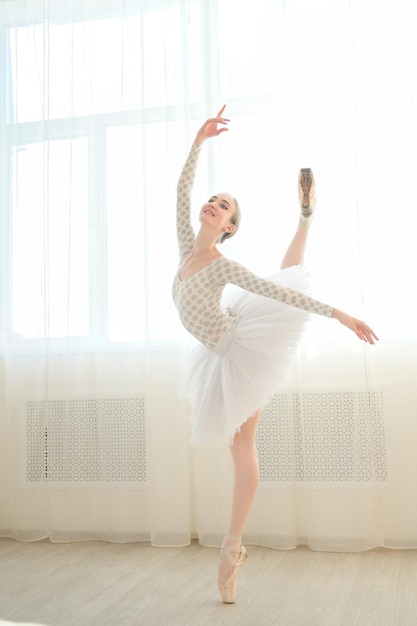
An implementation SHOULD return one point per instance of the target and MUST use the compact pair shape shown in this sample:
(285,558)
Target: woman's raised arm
(185,232)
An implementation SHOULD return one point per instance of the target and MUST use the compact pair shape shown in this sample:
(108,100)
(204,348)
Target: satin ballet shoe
(306,195)
(228,588)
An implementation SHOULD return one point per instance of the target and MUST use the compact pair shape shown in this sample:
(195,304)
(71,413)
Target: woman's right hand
(210,127)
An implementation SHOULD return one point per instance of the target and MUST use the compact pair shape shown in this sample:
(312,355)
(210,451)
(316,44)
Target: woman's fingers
(220,113)
(365,332)
(210,127)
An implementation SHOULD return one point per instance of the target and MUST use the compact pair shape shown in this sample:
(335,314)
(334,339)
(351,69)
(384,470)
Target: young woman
(245,344)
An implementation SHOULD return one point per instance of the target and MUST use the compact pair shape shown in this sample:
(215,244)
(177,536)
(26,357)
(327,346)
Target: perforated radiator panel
(323,437)
(86,440)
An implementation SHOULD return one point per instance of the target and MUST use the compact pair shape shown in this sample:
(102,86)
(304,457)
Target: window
(88,120)
(97,116)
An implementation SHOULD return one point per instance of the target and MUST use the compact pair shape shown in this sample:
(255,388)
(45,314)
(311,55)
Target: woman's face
(218,212)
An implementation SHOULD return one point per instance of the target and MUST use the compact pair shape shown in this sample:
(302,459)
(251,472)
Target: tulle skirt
(228,385)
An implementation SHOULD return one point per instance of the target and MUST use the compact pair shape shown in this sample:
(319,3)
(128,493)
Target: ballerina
(245,347)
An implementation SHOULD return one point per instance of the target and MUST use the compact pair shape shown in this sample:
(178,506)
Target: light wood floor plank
(104,584)
(280,584)
(374,595)
(406,605)
(325,600)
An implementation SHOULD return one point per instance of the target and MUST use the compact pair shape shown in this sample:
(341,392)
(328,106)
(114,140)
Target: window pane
(248,54)
(49,239)
(105,65)
(142,249)
(172,56)
(93,67)
(165,154)
(125,234)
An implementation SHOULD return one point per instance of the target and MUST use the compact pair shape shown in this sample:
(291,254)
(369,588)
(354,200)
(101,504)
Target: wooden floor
(104,584)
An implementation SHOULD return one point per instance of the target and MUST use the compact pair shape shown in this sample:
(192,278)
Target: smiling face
(220,212)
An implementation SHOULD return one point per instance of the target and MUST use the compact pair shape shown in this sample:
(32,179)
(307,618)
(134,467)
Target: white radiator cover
(322,436)
(73,442)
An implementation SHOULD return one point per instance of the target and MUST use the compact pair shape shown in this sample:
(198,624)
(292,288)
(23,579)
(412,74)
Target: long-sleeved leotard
(198,297)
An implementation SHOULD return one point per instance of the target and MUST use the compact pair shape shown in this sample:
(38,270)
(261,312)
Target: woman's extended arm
(242,277)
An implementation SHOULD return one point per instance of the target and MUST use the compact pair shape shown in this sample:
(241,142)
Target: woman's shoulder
(231,263)
(231,268)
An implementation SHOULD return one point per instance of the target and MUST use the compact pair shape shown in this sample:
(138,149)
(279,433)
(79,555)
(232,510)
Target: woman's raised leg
(306,193)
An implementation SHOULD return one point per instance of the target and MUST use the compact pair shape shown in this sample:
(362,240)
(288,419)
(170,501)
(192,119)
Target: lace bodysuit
(198,297)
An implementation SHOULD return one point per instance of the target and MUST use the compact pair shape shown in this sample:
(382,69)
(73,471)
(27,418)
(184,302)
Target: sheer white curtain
(100,103)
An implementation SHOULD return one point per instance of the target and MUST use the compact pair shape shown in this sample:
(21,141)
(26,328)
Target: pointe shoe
(306,195)
(228,588)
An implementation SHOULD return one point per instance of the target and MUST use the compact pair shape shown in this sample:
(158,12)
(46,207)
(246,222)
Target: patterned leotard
(198,297)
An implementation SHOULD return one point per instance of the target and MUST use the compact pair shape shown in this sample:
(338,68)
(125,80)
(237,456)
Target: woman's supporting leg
(245,460)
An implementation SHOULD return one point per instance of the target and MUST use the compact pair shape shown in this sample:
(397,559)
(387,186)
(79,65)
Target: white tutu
(229,385)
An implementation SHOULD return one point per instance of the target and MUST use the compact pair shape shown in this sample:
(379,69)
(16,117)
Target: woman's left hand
(361,330)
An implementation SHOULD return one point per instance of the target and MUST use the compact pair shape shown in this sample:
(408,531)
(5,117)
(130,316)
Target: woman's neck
(205,246)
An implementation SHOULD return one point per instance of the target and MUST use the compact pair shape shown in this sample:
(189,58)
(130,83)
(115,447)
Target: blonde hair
(235,220)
